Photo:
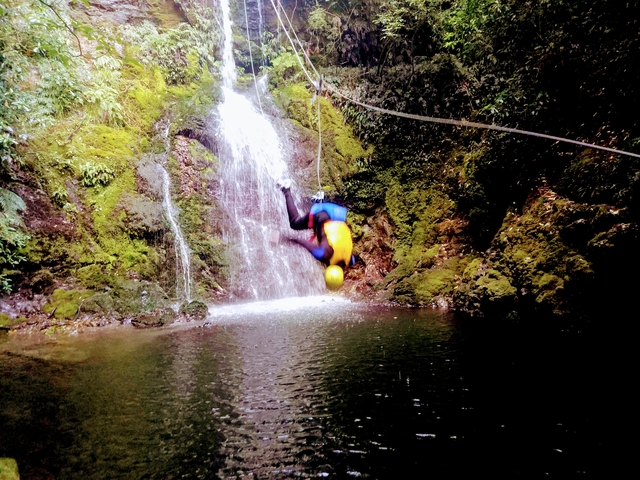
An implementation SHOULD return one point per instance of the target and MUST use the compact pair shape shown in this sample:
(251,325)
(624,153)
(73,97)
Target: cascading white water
(252,161)
(183,261)
(228,65)
(183,264)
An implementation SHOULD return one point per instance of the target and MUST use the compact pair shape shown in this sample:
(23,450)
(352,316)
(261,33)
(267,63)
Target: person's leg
(296,221)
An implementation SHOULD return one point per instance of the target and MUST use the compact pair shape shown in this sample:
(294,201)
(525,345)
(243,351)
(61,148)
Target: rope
(318,93)
(464,123)
(291,42)
(447,121)
(255,80)
(317,85)
(284,12)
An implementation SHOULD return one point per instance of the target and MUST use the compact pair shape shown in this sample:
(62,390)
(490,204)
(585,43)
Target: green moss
(534,265)
(147,95)
(416,214)
(472,269)
(422,288)
(45,250)
(9,469)
(432,283)
(495,286)
(92,276)
(6,320)
(547,287)
(111,146)
(120,251)
(65,302)
(53,330)
(425,286)
(340,147)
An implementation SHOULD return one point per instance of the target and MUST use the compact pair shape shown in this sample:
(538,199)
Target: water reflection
(306,388)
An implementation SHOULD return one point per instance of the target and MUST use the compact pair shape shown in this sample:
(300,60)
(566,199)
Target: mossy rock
(42,280)
(140,216)
(196,309)
(131,297)
(341,148)
(486,291)
(121,295)
(9,469)
(93,276)
(543,260)
(158,318)
(422,288)
(548,289)
(99,303)
(65,303)
(168,316)
(7,321)
(495,287)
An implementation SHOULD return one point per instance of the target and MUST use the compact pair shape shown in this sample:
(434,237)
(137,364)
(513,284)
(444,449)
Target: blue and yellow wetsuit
(334,244)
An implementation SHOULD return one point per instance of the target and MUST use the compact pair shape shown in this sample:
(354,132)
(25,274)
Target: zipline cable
(284,12)
(317,95)
(317,85)
(447,121)
(465,123)
(291,42)
(255,80)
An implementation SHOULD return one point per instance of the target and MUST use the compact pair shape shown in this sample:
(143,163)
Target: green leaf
(10,203)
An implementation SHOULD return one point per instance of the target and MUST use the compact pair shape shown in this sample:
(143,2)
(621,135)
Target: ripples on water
(313,387)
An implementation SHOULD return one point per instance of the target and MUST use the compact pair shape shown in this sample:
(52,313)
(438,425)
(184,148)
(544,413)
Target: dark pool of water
(331,389)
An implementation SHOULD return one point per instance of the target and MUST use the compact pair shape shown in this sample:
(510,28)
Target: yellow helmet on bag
(334,277)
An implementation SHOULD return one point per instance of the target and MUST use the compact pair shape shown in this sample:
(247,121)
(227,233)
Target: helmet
(334,277)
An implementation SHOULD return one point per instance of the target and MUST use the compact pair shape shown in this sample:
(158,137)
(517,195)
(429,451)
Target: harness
(336,230)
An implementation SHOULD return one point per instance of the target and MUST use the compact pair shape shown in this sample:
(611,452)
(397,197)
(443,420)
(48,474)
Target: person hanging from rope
(333,244)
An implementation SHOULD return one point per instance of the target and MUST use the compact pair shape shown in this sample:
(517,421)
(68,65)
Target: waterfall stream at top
(252,159)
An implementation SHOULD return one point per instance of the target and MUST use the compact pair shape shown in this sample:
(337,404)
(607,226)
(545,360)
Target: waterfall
(228,65)
(252,158)
(183,263)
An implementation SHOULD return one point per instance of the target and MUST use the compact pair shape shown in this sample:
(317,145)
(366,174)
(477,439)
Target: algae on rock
(92,222)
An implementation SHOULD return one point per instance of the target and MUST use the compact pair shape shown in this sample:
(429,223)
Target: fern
(12,238)
(96,174)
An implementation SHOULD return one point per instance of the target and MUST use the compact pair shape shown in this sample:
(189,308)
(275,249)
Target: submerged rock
(160,318)
(196,309)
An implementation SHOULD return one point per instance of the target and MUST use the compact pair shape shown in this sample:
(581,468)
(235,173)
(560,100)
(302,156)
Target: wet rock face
(40,214)
(117,11)
(558,256)
(374,250)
